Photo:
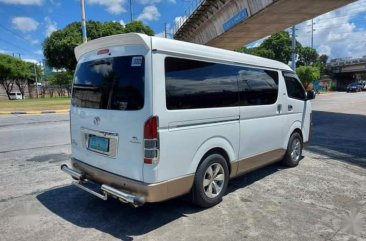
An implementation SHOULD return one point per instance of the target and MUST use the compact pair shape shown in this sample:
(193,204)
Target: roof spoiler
(110,41)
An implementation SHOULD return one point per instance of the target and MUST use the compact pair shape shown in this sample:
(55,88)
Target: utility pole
(312,33)
(35,75)
(83,24)
(165,33)
(293,61)
(131,14)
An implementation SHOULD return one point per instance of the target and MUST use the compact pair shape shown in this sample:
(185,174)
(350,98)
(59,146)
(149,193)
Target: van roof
(180,47)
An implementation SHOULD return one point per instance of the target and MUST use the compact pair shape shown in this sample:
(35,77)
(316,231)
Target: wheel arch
(219,145)
(295,127)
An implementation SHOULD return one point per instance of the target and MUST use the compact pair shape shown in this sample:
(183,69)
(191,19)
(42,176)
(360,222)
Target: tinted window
(110,83)
(294,88)
(257,86)
(194,84)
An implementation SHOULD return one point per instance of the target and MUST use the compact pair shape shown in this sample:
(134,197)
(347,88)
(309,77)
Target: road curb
(33,112)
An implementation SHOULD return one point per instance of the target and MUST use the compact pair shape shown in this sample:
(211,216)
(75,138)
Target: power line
(6,29)
(14,45)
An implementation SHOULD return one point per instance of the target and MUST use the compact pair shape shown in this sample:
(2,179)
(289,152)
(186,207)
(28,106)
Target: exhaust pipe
(124,197)
(72,172)
(135,201)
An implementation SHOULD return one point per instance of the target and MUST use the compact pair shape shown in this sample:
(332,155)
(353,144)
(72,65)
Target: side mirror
(310,94)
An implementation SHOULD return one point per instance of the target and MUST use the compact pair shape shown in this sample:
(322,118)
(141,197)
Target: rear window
(112,83)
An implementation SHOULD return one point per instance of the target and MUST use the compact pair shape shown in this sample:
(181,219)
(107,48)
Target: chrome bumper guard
(106,190)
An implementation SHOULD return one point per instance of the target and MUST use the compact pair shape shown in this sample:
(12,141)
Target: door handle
(279,108)
(290,108)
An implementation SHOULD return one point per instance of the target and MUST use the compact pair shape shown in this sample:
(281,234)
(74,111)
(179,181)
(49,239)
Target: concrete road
(324,198)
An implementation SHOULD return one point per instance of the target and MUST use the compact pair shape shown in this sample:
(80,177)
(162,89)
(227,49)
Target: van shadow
(123,221)
(113,217)
(339,136)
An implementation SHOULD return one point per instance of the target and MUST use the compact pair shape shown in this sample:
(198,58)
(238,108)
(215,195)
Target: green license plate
(99,143)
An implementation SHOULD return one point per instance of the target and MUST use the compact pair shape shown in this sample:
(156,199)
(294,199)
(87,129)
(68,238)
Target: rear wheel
(294,150)
(211,181)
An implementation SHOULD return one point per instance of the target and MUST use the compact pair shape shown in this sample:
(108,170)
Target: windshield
(111,83)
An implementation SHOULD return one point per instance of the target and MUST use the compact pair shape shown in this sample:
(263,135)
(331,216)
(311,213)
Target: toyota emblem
(96,121)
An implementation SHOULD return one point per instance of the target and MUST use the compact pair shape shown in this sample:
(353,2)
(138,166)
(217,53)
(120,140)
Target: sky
(24,24)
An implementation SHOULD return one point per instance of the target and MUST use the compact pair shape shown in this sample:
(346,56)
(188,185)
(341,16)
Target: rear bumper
(154,192)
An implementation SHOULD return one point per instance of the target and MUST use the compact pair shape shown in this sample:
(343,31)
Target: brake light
(103,51)
(151,140)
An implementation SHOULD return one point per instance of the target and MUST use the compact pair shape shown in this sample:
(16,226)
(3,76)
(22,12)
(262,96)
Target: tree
(21,75)
(276,47)
(321,63)
(61,80)
(280,44)
(6,71)
(59,47)
(307,56)
(323,59)
(257,51)
(14,71)
(138,27)
(307,74)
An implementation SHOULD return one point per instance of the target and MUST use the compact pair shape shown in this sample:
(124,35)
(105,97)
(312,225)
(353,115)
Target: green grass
(40,104)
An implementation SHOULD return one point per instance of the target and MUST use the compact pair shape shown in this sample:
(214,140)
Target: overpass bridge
(231,24)
(348,65)
(347,70)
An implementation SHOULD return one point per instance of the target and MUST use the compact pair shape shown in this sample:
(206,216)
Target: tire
(294,150)
(210,183)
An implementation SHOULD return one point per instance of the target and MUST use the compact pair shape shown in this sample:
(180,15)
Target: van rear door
(110,104)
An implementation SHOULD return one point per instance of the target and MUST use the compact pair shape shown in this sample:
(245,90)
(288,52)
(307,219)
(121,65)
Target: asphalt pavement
(324,198)
(31,149)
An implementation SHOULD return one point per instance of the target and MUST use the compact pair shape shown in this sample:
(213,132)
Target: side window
(257,86)
(294,89)
(191,84)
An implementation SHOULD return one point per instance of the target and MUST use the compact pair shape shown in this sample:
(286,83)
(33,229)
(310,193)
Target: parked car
(363,84)
(354,87)
(15,96)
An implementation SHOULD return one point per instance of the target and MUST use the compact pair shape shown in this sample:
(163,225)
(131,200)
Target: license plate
(99,143)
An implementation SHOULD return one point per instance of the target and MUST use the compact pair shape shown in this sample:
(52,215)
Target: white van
(15,95)
(154,118)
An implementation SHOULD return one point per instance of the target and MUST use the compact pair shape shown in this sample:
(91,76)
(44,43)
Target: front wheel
(294,150)
(211,181)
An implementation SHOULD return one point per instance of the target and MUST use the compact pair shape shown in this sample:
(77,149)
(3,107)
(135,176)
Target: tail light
(151,140)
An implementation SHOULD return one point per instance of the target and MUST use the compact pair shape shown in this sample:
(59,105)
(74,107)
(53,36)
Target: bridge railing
(347,61)
(193,5)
